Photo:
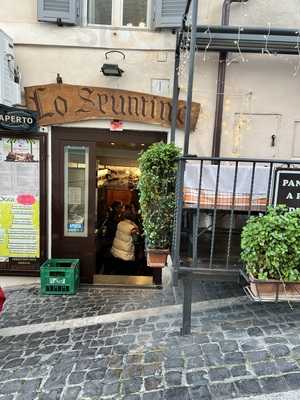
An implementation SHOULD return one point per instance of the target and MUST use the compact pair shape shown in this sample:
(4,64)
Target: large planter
(157,258)
(273,290)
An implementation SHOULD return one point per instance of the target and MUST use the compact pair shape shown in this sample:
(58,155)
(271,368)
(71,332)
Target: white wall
(255,84)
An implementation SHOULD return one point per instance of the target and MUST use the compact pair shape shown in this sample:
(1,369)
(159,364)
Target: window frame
(117,17)
(67,150)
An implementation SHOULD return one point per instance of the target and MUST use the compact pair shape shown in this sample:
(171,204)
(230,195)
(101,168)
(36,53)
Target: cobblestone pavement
(26,305)
(242,350)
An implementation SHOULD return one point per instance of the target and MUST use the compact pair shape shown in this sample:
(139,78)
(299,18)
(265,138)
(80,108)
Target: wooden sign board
(60,103)
(287,188)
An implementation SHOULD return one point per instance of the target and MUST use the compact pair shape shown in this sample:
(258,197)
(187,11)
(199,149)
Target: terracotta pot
(274,289)
(157,258)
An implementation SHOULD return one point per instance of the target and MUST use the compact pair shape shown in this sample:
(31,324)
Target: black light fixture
(112,69)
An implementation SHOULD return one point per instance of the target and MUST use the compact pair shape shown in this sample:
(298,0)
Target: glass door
(76,191)
(74,182)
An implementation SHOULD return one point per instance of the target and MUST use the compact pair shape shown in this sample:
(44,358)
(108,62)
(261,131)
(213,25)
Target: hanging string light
(184,52)
(244,10)
(208,44)
(237,43)
(265,50)
(297,67)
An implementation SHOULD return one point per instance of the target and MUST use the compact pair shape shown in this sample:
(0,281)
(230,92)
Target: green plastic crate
(60,276)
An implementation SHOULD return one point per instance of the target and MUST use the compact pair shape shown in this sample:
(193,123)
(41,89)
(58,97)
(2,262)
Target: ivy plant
(158,168)
(270,245)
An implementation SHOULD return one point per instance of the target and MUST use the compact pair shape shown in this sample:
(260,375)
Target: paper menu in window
(74,195)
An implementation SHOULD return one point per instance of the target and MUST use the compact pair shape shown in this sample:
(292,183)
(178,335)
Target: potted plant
(270,247)
(157,199)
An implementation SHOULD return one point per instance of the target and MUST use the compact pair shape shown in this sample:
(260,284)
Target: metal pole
(175,89)
(179,36)
(195,238)
(187,280)
(187,304)
(178,214)
(187,123)
(216,145)
(221,83)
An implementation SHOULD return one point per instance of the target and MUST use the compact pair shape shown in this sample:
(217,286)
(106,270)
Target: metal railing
(214,199)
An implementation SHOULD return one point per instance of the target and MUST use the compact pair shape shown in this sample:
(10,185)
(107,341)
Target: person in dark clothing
(134,209)
(108,233)
(114,217)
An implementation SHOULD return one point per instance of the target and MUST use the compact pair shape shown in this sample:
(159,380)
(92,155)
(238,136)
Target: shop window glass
(76,191)
(100,12)
(135,12)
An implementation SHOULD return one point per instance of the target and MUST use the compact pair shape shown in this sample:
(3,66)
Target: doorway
(92,172)
(120,261)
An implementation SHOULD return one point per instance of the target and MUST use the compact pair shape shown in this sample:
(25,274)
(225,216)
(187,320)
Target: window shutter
(168,13)
(64,11)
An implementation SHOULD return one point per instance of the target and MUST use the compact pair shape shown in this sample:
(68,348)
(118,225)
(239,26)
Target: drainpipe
(221,83)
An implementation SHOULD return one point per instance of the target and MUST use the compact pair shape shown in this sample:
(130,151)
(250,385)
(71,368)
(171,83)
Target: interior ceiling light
(112,69)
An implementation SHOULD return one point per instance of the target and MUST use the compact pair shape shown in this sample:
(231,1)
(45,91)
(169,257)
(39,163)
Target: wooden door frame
(102,135)
(33,268)
(58,144)
(90,137)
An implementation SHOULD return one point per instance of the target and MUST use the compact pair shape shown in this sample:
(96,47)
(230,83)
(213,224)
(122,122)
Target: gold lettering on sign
(60,103)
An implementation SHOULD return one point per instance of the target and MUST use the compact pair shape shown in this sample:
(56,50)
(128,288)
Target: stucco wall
(257,86)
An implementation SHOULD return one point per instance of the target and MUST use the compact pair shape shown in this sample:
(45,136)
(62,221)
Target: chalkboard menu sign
(287,188)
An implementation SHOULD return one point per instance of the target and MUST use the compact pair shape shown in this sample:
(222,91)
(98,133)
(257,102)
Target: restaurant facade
(98,78)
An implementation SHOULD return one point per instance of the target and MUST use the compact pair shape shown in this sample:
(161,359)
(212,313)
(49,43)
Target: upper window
(100,12)
(118,12)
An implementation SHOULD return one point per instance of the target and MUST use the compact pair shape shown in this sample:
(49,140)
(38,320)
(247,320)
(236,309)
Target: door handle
(273,138)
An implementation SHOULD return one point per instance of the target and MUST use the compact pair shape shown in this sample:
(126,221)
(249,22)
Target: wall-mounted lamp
(112,69)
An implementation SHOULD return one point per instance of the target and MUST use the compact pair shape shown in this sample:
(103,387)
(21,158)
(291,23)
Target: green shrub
(271,245)
(157,193)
